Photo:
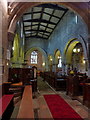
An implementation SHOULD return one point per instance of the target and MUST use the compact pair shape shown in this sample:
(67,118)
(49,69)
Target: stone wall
(3,42)
(66,30)
(36,42)
(71,26)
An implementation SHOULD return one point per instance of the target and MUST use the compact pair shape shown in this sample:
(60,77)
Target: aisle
(43,87)
(40,107)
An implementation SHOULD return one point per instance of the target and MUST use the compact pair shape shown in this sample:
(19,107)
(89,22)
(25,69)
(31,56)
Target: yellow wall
(18,53)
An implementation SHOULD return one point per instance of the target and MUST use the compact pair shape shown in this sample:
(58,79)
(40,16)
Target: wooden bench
(6,106)
(26,106)
(86,94)
(72,86)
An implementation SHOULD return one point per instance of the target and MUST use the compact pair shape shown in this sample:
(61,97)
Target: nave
(40,107)
(43,43)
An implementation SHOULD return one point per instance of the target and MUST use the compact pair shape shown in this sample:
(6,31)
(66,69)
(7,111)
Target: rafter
(47,27)
(31,18)
(50,19)
(51,15)
(37,31)
(38,20)
(31,12)
(59,20)
(41,27)
(30,25)
(36,36)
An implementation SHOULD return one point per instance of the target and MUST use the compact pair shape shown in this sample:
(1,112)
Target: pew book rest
(26,106)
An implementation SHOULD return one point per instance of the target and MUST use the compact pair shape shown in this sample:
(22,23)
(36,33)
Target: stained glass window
(34,57)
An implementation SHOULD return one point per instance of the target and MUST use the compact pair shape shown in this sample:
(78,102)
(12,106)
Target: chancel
(45,60)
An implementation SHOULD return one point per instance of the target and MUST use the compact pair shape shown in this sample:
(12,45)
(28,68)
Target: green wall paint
(18,52)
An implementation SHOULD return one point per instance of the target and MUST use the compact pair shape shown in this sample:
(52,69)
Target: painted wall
(66,30)
(18,45)
(39,61)
(36,42)
(70,27)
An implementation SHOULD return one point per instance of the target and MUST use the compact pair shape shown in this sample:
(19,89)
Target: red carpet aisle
(60,109)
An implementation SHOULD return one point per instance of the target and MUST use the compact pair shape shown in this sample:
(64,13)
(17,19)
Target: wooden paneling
(86,95)
(21,74)
(72,86)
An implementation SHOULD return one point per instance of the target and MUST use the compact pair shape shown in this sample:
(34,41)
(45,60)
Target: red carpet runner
(60,109)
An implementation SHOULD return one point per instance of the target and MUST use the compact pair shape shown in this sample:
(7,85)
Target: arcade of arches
(52,37)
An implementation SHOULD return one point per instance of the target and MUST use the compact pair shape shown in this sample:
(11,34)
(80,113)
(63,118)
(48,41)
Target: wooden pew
(26,106)
(57,82)
(61,83)
(86,94)
(72,86)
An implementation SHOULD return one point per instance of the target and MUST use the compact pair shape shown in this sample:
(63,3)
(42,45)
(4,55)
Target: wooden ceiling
(40,21)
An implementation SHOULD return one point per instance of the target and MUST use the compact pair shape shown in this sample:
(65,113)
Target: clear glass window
(60,63)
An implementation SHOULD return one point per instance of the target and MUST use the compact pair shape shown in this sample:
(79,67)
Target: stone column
(89,40)
(3,31)
(88,57)
(54,67)
(0,43)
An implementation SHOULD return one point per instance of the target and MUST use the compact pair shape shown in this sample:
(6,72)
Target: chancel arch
(42,62)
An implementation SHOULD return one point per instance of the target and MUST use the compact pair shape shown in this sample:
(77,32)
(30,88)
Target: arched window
(34,57)
(60,62)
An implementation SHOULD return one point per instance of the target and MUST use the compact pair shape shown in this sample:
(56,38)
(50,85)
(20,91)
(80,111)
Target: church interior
(44,60)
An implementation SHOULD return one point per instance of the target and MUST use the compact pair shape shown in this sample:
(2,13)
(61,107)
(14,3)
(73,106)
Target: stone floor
(41,109)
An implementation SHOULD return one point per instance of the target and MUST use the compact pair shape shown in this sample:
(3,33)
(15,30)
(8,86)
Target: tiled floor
(41,109)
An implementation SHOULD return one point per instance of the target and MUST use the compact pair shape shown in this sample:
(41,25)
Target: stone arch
(44,55)
(56,54)
(80,8)
(70,45)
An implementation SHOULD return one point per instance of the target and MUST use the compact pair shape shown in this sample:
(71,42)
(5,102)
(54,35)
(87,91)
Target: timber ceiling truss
(40,21)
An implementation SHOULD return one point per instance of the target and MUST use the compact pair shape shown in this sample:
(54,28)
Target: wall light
(43,64)
(84,61)
(12,48)
(51,59)
(7,64)
(78,49)
(74,50)
(59,57)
